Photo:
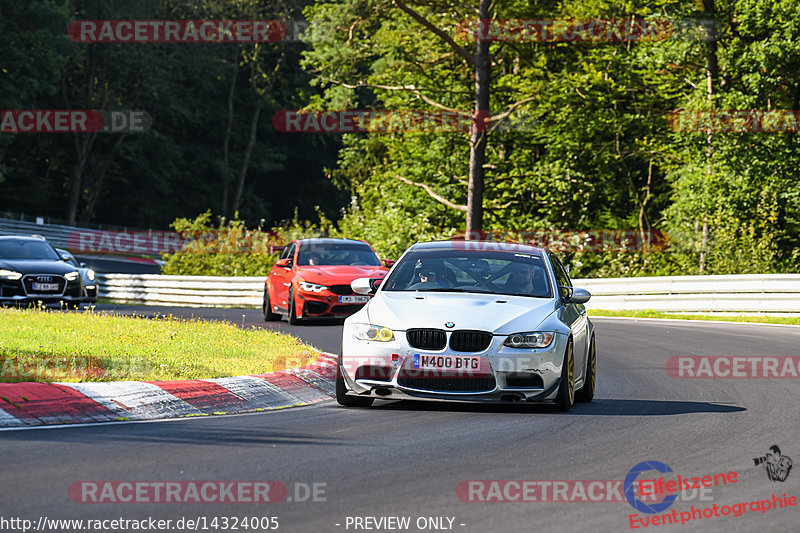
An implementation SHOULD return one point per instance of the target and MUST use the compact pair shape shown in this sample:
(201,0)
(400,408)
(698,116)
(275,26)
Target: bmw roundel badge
(449,324)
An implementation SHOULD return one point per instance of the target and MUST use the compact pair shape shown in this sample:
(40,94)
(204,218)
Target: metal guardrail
(748,293)
(188,291)
(55,234)
(744,293)
(58,235)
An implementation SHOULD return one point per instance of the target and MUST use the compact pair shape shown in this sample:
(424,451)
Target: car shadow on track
(598,407)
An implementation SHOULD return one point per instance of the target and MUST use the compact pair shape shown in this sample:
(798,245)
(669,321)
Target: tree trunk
(712,74)
(237,200)
(83,146)
(226,171)
(477,141)
(645,238)
(88,212)
(260,95)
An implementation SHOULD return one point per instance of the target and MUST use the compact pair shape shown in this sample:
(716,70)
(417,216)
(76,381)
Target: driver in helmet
(430,273)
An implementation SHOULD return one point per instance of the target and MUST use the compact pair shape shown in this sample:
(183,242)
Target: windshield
(24,249)
(316,254)
(520,274)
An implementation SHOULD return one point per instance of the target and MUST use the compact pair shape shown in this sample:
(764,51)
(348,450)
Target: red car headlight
(312,287)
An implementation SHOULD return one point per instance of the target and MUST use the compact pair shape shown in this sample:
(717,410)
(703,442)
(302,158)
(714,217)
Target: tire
(341,392)
(586,394)
(266,308)
(566,390)
(292,315)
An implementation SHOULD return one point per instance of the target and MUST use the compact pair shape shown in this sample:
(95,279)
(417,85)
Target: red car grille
(341,290)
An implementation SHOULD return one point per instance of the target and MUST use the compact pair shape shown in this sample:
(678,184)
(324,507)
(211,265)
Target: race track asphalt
(406,459)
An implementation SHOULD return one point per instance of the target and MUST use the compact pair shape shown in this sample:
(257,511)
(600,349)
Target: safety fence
(746,293)
(184,291)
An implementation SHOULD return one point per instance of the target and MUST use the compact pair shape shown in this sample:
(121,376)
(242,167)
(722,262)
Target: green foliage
(177,168)
(227,249)
(598,153)
(382,229)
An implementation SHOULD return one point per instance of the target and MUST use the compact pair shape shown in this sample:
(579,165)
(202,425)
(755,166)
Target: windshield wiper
(523,294)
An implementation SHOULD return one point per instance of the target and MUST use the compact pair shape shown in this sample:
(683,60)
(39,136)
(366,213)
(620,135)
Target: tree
(405,83)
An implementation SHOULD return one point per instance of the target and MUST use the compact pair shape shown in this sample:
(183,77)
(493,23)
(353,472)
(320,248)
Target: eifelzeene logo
(777,466)
(630,486)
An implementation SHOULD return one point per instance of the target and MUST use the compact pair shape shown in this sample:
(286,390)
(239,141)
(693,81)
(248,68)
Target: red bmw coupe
(312,279)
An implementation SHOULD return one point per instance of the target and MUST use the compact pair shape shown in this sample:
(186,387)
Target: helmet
(428,266)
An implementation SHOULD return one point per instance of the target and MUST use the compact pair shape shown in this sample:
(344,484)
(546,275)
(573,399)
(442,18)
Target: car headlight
(368,332)
(533,339)
(311,287)
(71,276)
(9,274)
(90,274)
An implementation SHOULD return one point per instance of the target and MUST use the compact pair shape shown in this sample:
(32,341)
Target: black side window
(288,252)
(561,275)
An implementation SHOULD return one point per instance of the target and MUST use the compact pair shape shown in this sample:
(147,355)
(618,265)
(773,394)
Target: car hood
(339,274)
(498,313)
(36,266)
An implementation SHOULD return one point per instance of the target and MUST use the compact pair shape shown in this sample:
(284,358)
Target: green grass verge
(723,318)
(37,345)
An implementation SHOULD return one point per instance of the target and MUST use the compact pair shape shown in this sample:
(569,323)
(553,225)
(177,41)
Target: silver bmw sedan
(470,321)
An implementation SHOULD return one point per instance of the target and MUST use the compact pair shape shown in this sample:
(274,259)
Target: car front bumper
(326,304)
(386,370)
(15,292)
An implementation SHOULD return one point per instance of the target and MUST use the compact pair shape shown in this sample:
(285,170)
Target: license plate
(353,299)
(45,287)
(446,362)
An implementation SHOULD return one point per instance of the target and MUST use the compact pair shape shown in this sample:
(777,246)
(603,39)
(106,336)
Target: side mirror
(576,295)
(388,262)
(64,257)
(285,263)
(365,285)
(83,265)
